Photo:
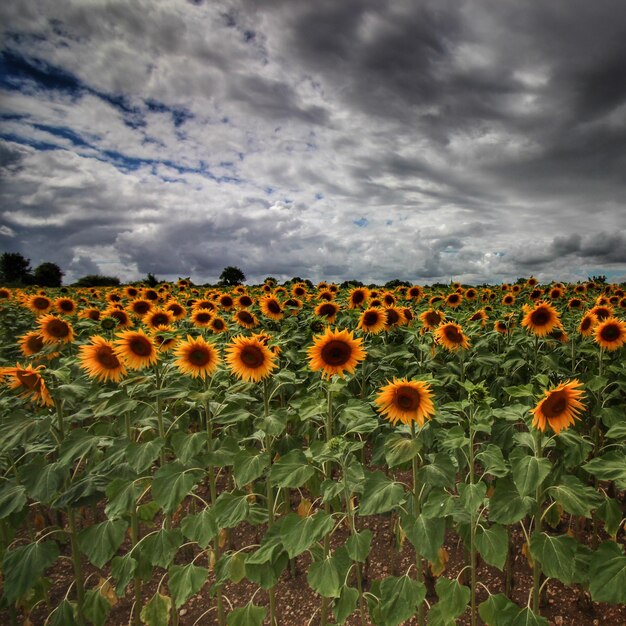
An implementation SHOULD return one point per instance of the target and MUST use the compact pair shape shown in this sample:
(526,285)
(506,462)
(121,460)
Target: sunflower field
(310,454)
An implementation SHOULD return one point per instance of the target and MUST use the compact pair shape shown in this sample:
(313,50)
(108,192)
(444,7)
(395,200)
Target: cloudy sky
(424,140)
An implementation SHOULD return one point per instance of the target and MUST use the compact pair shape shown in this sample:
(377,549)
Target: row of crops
(141,429)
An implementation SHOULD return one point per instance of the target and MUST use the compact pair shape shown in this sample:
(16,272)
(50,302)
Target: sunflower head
(271,307)
(542,319)
(164,337)
(99,360)
(335,352)
(135,349)
(245,319)
(394,317)
(197,357)
(29,382)
(31,343)
(55,330)
(202,317)
(610,333)
(250,359)
(327,310)
(358,297)
(406,401)
(587,323)
(559,407)
(373,320)
(65,306)
(140,307)
(454,300)
(39,304)
(158,317)
(218,325)
(451,336)
(431,318)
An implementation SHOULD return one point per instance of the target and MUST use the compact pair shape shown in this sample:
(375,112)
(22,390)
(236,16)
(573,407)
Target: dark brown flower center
(199,357)
(34,343)
(58,328)
(274,307)
(392,317)
(327,310)
(175,309)
(370,318)
(252,356)
(106,357)
(140,346)
(226,301)
(160,319)
(586,323)
(540,317)
(245,317)
(554,405)
(203,318)
(432,318)
(407,398)
(602,313)
(30,379)
(66,305)
(245,301)
(453,334)
(218,324)
(141,308)
(610,332)
(41,303)
(336,353)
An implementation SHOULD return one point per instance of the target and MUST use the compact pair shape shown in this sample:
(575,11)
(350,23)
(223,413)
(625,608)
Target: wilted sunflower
(431,319)
(451,336)
(559,408)
(541,320)
(197,357)
(373,320)
(358,297)
(135,349)
(406,401)
(99,360)
(31,343)
(335,352)
(201,317)
(250,359)
(29,381)
(157,317)
(327,310)
(610,333)
(218,325)
(270,307)
(65,306)
(587,322)
(55,330)
(39,304)
(245,319)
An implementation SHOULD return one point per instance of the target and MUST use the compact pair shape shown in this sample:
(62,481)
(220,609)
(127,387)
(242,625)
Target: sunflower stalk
(327,476)
(419,565)
(537,527)
(473,522)
(79,577)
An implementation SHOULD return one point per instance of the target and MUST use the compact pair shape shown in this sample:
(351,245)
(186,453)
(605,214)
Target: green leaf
(101,541)
(506,506)
(610,466)
(440,472)
(346,604)
(188,445)
(230,509)
(291,470)
(400,598)
(142,455)
(557,555)
(77,444)
(400,449)
(161,547)
(575,497)
(528,471)
(123,569)
(24,565)
(617,431)
(172,482)
(249,615)
(611,513)
(453,599)
(42,480)
(492,460)
(359,545)
(425,534)
(122,495)
(380,494)
(607,574)
(520,391)
(200,527)
(231,566)
(157,611)
(64,614)
(12,497)
(185,581)
(299,533)
(327,576)
(249,466)
(471,495)
(498,610)
(97,608)
(492,543)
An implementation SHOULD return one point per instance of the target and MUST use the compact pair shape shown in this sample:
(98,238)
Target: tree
(48,275)
(97,280)
(151,280)
(231,276)
(15,268)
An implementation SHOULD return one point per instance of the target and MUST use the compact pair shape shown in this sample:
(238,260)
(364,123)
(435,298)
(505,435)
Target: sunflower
(201,317)
(500,327)
(157,317)
(335,352)
(508,300)
(454,300)
(532,281)
(270,307)
(245,319)
(395,316)
(122,318)
(197,357)
(451,336)
(408,314)
(205,304)
(90,313)
(414,293)
(244,301)
(164,337)
(480,316)
(30,382)
(431,319)
(326,294)
(136,349)
(176,309)
(610,333)
(406,401)
(358,297)
(389,299)
(559,407)
(556,293)
(218,325)
(65,306)
(373,320)
(434,300)
(99,360)
(5,294)
(250,359)
(150,294)
(113,297)
(535,294)
(294,305)
(39,304)
(139,307)
(131,292)
(541,320)
(55,330)
(327,310)
(31,343)
(587,322)
(226,301)
(299,290)
(602,311)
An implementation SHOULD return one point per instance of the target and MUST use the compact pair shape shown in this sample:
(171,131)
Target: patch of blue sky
(28,141)
(362,222)
(65,133)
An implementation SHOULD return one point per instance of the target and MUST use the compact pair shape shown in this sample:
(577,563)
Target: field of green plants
(182,454)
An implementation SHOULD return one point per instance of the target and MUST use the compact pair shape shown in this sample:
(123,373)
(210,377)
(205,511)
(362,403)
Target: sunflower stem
(60,421)
(472,523)
(327,476)
(79,578)
(537,528)
(419,566)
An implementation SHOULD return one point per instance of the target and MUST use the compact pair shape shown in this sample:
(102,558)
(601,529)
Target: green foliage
(232,276)
(97,280)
